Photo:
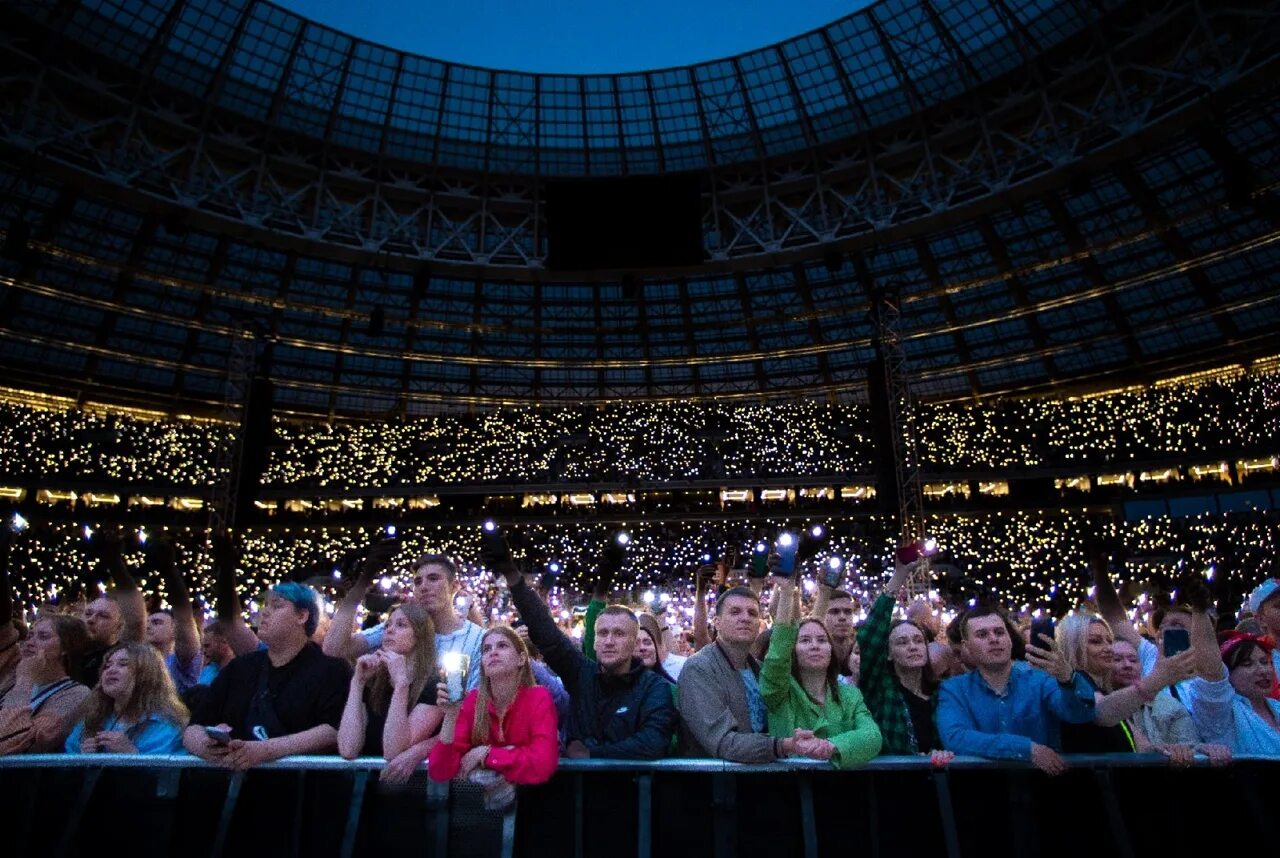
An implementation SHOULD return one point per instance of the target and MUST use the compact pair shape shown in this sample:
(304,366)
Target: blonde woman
(134,709)
(392,695)
(1086,642)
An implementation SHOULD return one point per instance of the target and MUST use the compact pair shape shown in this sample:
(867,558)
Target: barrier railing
(1120,805)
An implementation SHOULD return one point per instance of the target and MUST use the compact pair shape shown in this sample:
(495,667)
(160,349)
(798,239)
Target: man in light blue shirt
(1009,710)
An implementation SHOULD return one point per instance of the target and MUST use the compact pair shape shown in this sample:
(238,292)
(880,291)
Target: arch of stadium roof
(1093,200)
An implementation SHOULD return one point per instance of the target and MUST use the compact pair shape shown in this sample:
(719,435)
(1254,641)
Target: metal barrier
(1118,805)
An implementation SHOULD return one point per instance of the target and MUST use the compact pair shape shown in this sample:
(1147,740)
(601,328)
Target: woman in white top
(1228,700)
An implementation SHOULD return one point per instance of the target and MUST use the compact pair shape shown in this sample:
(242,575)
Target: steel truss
(1131,70)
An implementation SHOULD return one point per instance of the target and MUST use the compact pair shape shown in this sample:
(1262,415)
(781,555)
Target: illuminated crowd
(1027,560)
(1193,420)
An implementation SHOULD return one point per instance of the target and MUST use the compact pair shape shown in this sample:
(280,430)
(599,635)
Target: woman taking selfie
(392,696)
(504,731)
(135,708)
(811,714)
(41,707)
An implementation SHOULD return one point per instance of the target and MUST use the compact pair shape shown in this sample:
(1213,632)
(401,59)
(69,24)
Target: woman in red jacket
(505,731)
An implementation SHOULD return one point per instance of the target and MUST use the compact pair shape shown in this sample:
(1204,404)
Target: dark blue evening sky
(579,36)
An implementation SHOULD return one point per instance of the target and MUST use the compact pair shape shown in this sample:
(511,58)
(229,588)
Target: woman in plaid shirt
(897,680)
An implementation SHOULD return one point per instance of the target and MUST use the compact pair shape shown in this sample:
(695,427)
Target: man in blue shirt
(1005,709)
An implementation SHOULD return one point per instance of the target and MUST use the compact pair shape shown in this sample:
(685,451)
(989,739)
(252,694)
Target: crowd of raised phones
(764,672)
(648,443)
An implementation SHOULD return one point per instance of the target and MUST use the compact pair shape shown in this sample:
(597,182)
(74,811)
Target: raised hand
(1049,659)
(367,667)
(397,667)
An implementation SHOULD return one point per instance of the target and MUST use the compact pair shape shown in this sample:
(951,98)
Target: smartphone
(913,551)
(788,544)
(1043,626)
(759,561)
(221,737)
(833,573)
(1175,641)
(491,536)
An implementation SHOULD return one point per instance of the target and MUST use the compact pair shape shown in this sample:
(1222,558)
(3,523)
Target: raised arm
(226,597)
(1108,600)
(133,609)
(186,633)
(701,584)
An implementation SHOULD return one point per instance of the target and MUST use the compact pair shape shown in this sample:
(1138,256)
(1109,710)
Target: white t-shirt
(465,640)
(673,664)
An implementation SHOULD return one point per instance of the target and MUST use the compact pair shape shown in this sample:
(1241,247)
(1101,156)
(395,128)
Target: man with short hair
(435,585)
(722,711)
(114,617)
(278,702)
(174,632)
(1006,709)
(215,647)
(837,612)
(618,709)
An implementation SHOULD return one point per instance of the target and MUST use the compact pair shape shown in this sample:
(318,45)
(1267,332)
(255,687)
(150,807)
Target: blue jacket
(975,721)
(626,717)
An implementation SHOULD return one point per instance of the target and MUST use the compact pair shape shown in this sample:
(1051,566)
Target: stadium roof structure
(1058,193)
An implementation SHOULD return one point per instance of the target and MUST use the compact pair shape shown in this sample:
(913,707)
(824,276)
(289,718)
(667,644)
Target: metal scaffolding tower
(887,316)
(241,360)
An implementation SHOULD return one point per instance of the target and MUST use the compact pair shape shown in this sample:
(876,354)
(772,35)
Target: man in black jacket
(617,708)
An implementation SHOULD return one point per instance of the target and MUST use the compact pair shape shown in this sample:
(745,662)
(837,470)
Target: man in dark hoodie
(617,708)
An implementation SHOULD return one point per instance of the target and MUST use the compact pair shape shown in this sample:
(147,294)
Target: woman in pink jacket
(504,733)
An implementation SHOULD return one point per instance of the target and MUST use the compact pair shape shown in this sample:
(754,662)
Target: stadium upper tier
(1055,194)
(1198,422)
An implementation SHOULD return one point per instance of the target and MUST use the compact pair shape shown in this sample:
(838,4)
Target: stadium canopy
(1056,194)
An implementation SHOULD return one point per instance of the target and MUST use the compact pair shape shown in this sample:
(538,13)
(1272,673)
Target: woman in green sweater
(802,693)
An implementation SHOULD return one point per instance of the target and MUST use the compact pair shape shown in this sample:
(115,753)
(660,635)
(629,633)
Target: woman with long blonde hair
(1085,642)
(134,709)
(42,705)
(392,696)
(504,732)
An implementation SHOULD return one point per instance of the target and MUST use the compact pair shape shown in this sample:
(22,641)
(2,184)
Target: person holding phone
(135,708)
(1085,641)
(897,678)
(391,701)
(1229,698)
(435,588)
(1007,709)
(803,695)
(280,701)
(1163,724)
(506,727)
(618,709)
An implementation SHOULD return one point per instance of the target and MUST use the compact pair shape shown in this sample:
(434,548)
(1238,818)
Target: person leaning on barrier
(504,732)
(1229,698)
(804,697)
(618,709)
(135,708)
(391,702)
(897,676)
(1006,709)
(44,703)
(723,713)
(1162,723)
(278,702)
(435,584)
(1085,641)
